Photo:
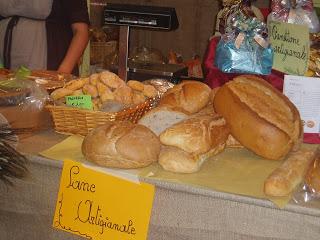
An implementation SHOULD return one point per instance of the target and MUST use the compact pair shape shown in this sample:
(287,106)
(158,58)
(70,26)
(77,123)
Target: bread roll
(149,91)
(123,94)
(111,79)
(60,93)
(162,117)
(174,159)
(76,84)
(260,117)
(135,85)
(188,95)
(190,142)
(121,144)
(290,174)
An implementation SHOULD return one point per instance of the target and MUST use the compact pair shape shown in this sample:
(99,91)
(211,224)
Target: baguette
(282,181)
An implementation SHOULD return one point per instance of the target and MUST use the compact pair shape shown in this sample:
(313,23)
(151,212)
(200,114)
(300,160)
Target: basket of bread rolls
(112,99)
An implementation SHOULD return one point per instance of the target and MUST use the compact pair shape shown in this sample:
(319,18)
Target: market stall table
(180,211)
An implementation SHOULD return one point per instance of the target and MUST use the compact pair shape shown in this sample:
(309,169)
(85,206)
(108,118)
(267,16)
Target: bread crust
(290,174)
(121,144)
(270,134)
(188,95)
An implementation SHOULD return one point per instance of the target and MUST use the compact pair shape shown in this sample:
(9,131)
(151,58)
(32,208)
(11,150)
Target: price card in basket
(81,101)
(96,205)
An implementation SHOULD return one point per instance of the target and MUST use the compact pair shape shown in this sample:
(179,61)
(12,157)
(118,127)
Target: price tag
(81,101)
(96,205)
(304,92)
(291,46)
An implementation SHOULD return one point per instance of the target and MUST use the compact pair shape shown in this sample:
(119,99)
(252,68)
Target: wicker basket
(69,120)
(99,51)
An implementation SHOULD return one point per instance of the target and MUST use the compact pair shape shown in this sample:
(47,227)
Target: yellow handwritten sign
(100,206)
(291,46)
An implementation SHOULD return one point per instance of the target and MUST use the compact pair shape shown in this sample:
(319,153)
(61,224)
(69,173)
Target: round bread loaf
(121,144)
(259,116)
(190,95)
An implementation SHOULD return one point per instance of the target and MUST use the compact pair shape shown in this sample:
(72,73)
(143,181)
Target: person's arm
(76,48)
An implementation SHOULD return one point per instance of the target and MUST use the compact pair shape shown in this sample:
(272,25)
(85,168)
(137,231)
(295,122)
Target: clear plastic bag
(296,12)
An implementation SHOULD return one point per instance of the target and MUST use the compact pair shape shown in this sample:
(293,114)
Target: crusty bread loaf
(162,117)
(260,117)
(191,96)
(174,159)
(189,142)
(121,144)
(290,174)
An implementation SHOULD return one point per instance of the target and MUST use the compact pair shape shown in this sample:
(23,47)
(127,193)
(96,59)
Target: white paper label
(304,92)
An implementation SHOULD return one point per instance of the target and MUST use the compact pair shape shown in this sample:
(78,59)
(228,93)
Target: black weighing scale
(151,17)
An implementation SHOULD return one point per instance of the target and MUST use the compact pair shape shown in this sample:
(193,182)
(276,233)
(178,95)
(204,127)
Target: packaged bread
(312,177)
(283,180)
(259,116)
(121,144)
(187,144)
(190,95)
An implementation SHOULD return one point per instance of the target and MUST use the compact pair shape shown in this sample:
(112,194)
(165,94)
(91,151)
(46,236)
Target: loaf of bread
(290,174)
(162,117)
(191,96)
(188,143)
(260,117)
(121,144)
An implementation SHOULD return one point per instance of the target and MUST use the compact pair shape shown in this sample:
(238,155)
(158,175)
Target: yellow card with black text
(96,205)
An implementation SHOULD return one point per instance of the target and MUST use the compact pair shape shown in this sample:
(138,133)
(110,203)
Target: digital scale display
(141,16)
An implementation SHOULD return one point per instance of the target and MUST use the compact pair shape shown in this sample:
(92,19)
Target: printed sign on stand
(291,46)
(96,205)
(304,92)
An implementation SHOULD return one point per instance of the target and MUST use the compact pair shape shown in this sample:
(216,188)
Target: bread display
(162,117)
(290,174)
(260,118)
(191,96)
(189,143)
(105,87)
(121,144)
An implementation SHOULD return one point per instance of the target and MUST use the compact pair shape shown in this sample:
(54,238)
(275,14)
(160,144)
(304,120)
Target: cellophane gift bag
(296,12)
(245,47)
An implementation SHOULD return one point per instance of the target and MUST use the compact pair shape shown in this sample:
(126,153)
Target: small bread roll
(111,79)
(149,91)
(123,94)
(91,90)
(94,79)
(76,84)
(102,88)
(107,95)
(77,92)
(135,85)
(138,98)
(60,93)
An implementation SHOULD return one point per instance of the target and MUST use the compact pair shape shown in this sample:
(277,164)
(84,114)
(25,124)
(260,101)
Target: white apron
(29,41)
